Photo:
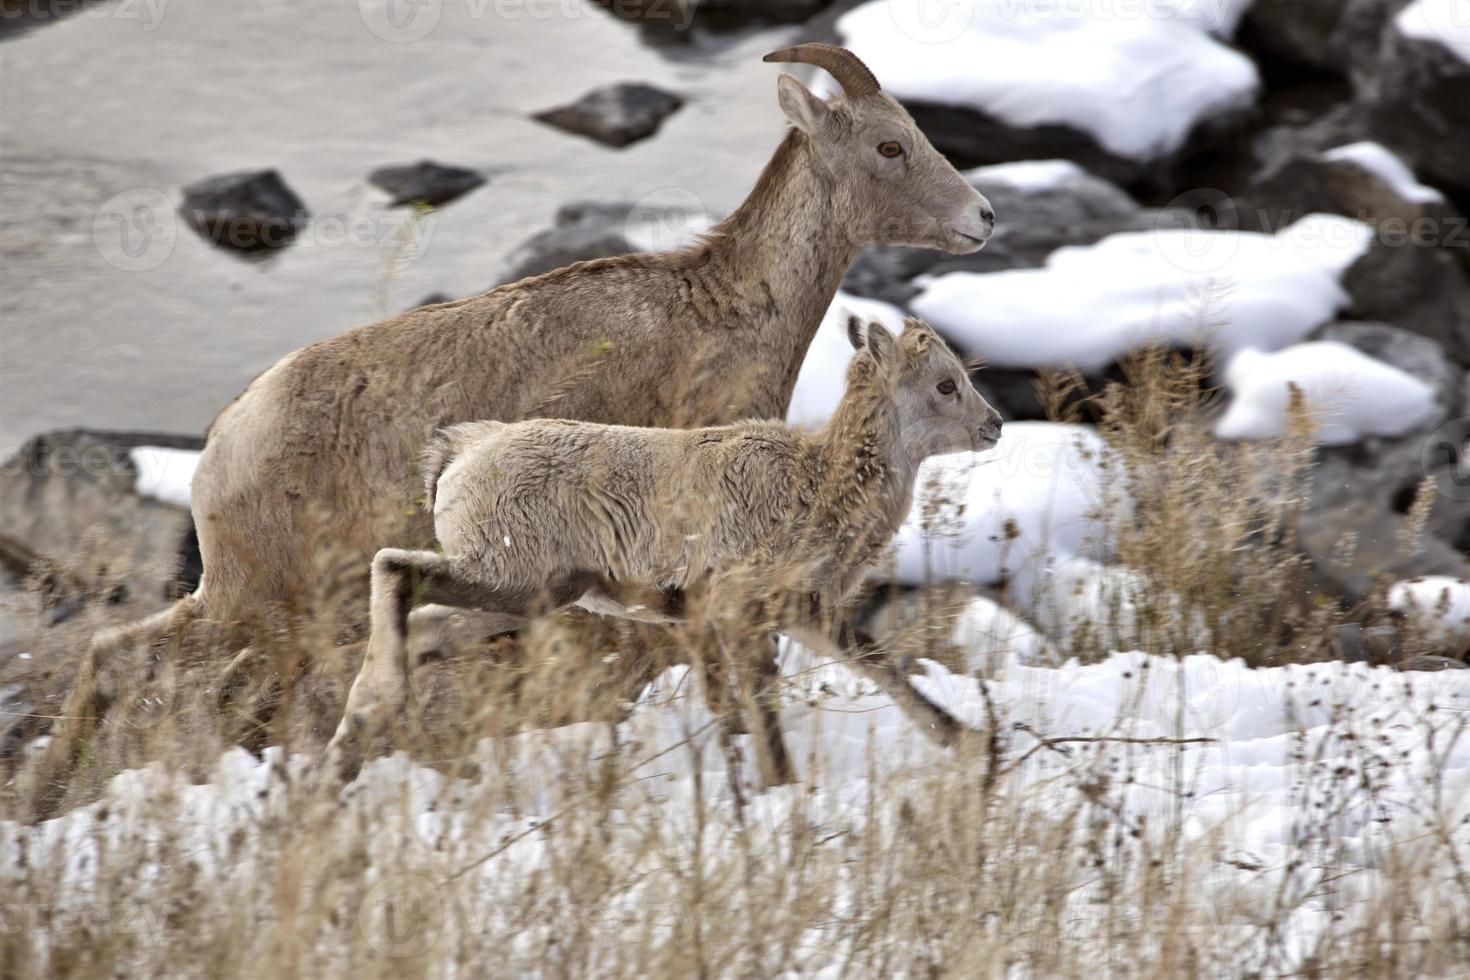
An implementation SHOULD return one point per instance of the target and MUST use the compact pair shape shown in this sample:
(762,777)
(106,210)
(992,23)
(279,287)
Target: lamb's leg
(824,630)
(770,744)
(399,580)
(865,656)
(741,690)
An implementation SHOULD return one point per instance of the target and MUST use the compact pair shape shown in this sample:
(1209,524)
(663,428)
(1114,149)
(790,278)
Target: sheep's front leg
(825,627)
(865,656)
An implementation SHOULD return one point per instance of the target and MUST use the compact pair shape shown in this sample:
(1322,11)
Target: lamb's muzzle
(546,513)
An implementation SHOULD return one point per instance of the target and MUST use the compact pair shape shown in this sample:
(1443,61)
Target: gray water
(115,315)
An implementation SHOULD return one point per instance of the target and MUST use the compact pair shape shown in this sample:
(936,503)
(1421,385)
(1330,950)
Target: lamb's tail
(445,445)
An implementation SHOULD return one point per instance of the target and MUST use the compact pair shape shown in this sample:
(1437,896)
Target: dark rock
(1293,30)
(1444,457)
(1420,106)
(1389,473)
(1296,185)
(425,182)
(1302,134)
(615,115)
(433,299)
(70,497)
(1418,287)
(971,137)
(727,15)
(1375,644)
(1414,275)
(1431,662)
(884,272)
(249,211)
(19,16)
(1327,35)
(1354,544)
(1360,35)
(584,230)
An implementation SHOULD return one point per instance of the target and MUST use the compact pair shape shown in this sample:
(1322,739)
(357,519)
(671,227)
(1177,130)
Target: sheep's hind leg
(400,579)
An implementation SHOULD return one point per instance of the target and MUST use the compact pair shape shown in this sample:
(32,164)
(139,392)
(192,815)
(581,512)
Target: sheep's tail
(444,446)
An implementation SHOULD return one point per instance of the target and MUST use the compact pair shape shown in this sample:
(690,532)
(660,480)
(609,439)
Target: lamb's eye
(947,387)
(890,149)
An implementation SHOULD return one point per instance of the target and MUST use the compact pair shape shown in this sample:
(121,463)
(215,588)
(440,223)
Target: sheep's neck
(787,248)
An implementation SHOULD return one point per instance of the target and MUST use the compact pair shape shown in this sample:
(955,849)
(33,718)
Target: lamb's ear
(855,330)
(806,111)
(881,344)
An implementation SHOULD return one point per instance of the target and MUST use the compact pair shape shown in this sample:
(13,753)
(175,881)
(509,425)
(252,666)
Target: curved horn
(854,77)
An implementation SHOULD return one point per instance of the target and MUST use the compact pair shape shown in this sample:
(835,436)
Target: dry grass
(510,846)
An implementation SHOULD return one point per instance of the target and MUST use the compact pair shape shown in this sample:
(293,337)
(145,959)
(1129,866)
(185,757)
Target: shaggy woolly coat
(520,505)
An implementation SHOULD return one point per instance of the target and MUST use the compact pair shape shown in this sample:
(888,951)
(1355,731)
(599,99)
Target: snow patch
(1445,22)
(1137,84)
(165,473)
(990,635)
(1030,177)
(1254,729)
(822,379)
(999,516)
(1089,305)
(1438,605)
(1379,161)
(1348,394)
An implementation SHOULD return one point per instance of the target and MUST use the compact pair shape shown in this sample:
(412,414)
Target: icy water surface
(114,315)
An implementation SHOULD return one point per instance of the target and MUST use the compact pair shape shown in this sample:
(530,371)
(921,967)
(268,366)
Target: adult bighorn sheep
(319,453)
(546,513)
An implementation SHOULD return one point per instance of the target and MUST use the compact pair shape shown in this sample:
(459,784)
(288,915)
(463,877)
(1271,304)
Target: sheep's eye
(890,149)
(947,387)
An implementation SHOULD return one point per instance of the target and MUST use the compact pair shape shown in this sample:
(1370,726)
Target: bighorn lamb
(319,453)
(545,513)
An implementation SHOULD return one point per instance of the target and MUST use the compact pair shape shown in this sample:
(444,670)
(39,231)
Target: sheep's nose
(987,215)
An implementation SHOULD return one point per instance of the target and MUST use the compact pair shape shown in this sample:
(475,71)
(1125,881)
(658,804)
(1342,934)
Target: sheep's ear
(806,111)
(881,344)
